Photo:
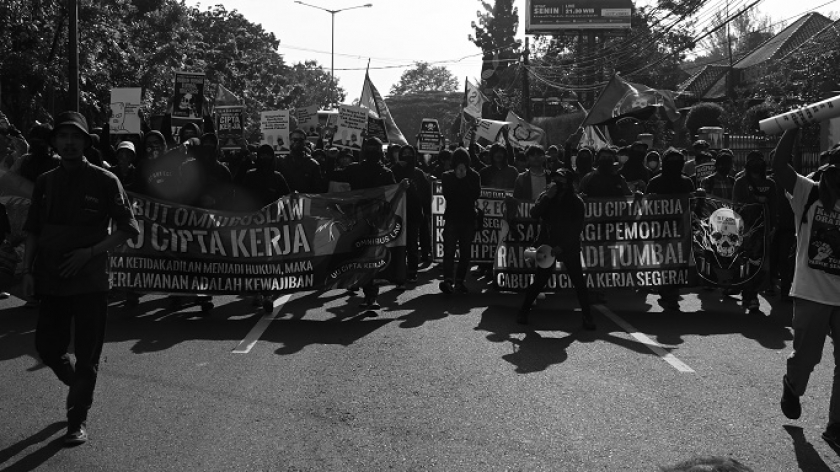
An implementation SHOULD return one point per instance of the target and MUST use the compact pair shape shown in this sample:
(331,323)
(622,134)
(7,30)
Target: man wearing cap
(701,145)
(125,170)
(66,260)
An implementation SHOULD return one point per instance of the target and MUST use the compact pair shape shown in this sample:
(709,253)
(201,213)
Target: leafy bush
(703,114)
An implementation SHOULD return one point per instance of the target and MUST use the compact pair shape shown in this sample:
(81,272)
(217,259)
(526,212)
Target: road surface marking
(253,336)
(642,338)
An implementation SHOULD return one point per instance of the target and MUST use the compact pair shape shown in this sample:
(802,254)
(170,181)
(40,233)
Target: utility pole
(526,91)
(73,51)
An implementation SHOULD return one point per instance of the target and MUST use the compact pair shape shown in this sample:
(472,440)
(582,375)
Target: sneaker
(753,305)
(257,301)
(446,287)
(4,295)
(412,278)
(669,304)
(832,435)
(461,288)
(369,304)
(522,317)
(76,434)
(790,401)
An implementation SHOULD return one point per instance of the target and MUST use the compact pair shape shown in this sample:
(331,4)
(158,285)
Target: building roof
(787,40)
(828,35)
(699,84)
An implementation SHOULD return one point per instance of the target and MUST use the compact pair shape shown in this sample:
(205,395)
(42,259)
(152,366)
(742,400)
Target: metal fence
(741,145)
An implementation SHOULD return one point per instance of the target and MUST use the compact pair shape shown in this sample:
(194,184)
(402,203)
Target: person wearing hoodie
(560,211)
(41,157)
(582,165)
(653,161)
(205,182)
(461,189)
(671,181)
(500,174)
(418,199)
(634,170)
(263,185)
(158,170)
(302,172)
(369,172)
(755,187)
(124,168)
(605,181)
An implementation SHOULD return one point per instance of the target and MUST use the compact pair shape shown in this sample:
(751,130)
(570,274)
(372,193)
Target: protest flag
(523,134)
(473,99)
(225,97)
(593,137)
(372,100)
(620,98)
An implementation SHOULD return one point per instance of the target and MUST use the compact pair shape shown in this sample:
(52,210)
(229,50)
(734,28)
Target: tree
(495,35)
(425,78)
(409,110)
(744,33)
(704,114)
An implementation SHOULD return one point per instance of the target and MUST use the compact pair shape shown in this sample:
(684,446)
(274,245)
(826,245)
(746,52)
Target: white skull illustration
(726,231)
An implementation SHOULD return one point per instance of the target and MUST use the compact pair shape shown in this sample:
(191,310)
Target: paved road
(433,382)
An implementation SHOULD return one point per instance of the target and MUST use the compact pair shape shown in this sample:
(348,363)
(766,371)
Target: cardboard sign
(352,124)
(274,130)
(429,139)
(124,105)
(188,99)
(307,120)
(229,127)
(376,129)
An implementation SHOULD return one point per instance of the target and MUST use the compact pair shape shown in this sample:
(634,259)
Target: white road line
(253,336)
(642,338)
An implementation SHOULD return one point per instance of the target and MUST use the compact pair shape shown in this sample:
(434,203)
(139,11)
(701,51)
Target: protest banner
(811,113)
(229,127)
(701,171)
(300,242)
(474,100)
(729,242)
(352,124)
(274,130)
(125,102)
(626,243)
(429,140)
(486,241)
(523,134)
(373,101)
(328,123)
(307,120)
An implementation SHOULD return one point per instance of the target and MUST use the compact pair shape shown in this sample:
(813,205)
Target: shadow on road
(36,458)
(806,456)
(534,352)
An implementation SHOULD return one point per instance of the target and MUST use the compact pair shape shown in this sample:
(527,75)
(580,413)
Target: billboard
(546,16)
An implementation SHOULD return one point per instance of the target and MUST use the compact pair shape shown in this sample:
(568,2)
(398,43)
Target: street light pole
(332,50)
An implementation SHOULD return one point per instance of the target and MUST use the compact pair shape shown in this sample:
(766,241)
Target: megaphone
(543,256)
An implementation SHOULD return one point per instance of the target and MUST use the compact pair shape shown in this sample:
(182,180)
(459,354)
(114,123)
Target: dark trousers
(88,314)
(575,271)
(783,257)
(425,236)
(412,244)
(457,235)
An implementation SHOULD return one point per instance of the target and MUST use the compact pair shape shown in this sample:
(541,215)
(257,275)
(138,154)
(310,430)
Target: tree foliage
(704,114)
(424,77)
(409,110)
(496,27)
(141,43)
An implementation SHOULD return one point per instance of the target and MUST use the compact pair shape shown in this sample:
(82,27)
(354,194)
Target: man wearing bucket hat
(560,211)
(66,260)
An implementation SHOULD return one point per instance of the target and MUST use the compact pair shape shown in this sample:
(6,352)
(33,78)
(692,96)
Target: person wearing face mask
(41,157)
(206,182)
(671,181)
(369,172)
(418,198)
(461,189)
(816,281)
(302,172)
(755,187)
(605,181)
(634,170)
(554,158)
(263,185)
(531,183)
(653,162)
(158,170)
(721,183)
(583,165)
(560,211)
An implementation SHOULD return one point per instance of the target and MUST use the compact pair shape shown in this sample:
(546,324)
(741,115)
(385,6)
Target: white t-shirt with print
(813,279)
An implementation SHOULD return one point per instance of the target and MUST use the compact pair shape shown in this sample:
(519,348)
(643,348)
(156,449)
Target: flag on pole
(473,100)
(372,100)
(593,137)
(620,98)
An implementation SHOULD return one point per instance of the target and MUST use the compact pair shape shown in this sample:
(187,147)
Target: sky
(393,34)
